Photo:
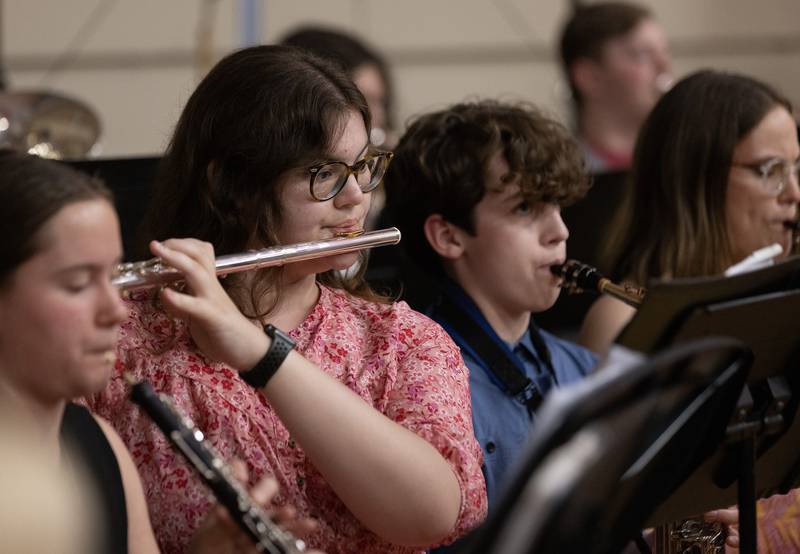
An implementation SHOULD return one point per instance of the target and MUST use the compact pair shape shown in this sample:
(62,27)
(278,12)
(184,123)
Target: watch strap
(267,366)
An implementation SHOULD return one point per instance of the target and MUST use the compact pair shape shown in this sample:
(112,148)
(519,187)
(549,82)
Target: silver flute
(153,273)
(267,536)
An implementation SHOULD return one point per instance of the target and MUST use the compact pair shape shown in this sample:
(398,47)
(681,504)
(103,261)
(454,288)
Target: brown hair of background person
(364,65)
(455,146)
(589,29)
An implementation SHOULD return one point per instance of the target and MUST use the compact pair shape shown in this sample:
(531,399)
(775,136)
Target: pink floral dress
(779,524)
(394,358)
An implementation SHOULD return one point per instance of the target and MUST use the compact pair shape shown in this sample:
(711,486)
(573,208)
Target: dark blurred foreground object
(131,180)
(47,124)
(586,482)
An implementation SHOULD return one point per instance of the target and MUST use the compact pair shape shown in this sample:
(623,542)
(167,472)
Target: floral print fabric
(394,358)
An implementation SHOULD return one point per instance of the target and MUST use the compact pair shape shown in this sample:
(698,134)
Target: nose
(556,231)
(791,192)
(111,309)
(664,62)
(350,195)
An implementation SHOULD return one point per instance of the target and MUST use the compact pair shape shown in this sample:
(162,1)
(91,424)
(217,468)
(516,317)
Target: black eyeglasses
(329,178)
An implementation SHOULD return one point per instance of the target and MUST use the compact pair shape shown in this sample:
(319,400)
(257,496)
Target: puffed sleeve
(431,397)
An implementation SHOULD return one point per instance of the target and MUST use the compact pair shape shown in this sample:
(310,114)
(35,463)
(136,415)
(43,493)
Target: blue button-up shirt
(502,422)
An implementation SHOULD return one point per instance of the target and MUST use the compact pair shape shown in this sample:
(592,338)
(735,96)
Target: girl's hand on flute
(217,326)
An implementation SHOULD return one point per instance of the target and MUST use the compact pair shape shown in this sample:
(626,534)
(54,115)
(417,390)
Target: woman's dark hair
(259,113)
(347,51)
(672,223)
(588,30)
(32,191)
(441,163)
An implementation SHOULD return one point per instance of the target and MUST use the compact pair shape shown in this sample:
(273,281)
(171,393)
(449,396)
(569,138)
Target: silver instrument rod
(152,273)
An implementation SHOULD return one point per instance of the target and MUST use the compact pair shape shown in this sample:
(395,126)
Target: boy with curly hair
(476,190)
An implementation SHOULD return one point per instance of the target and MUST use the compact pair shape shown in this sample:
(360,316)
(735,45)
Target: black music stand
(759,455)
(565,495)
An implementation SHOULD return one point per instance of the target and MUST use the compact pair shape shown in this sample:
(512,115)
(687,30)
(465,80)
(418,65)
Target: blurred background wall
(136,62)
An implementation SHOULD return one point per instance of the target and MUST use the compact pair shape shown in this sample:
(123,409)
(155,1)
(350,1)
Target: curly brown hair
(440,166)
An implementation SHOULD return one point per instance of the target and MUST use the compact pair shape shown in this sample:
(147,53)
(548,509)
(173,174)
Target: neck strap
(471,331)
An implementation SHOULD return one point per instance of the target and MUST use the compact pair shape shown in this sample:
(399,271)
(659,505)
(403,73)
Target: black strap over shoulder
(498,360)
(89,447)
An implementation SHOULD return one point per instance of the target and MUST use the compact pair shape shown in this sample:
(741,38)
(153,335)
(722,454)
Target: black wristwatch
(278,349)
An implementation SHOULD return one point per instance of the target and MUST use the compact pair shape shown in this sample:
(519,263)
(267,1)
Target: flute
(579,277)
(267,535)
(152,273)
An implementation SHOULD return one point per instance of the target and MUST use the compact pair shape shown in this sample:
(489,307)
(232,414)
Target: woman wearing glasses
(715,178)
(365,422)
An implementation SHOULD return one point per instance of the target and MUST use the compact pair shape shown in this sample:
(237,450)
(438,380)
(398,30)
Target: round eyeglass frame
(354,169)
(762,169)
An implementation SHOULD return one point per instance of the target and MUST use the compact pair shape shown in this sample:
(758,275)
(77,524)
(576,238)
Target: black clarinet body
(267,536)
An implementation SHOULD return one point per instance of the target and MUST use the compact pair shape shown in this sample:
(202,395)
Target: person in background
(715,178)
(364,65)
(358,406)
(476,190)
(616,60)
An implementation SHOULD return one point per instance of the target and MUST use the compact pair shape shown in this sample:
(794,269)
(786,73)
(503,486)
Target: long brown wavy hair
(672,222)
(260,112)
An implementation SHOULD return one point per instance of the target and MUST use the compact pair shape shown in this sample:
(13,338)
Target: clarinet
(181,432)
(579,277)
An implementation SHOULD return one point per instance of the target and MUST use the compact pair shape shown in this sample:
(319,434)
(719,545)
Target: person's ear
(445,238)
(587,76)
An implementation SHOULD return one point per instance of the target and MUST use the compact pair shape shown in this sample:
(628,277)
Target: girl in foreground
(59,317)
(366,421)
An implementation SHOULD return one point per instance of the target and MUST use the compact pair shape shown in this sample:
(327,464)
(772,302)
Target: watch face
(263,371)
(274,332)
